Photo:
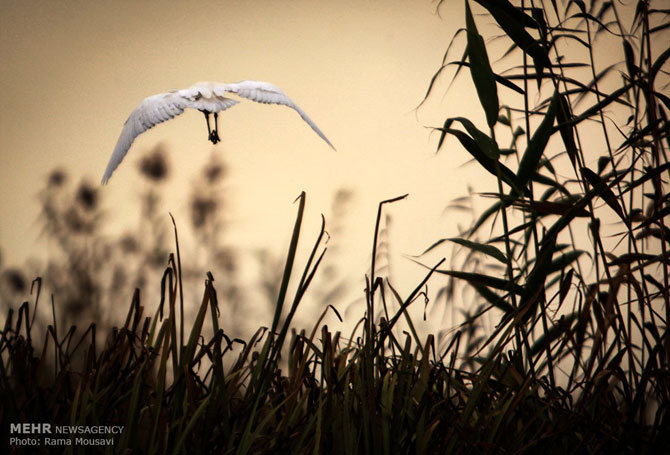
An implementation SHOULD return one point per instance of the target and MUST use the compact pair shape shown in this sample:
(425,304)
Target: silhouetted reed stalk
(617,322)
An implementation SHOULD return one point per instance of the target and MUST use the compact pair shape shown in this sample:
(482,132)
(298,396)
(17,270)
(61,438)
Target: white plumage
(207,97)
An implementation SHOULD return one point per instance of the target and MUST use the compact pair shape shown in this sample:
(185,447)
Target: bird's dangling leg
(215,134)
(209,129)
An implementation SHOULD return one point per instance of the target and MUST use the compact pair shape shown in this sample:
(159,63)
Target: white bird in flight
(208,98)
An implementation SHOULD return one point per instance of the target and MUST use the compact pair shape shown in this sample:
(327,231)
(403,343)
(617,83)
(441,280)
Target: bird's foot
(214,137)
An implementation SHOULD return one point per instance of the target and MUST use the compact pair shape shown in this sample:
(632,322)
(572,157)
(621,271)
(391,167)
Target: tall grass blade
(290,258)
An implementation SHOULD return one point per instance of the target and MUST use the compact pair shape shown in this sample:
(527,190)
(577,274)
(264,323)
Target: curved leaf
(656,67)
(563,117)
(473,148)
(485,143)
(607,194)
(494,299)
(512,20)
(489,250)
(502,80)
(536,145)
(556,332)
(479,279)
(564,260)
(480,69)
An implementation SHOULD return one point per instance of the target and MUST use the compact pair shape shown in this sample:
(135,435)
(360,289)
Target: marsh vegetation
(564,345)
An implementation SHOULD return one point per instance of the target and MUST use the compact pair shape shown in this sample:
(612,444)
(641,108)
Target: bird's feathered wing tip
(267,93)
(150,112)
(313,125)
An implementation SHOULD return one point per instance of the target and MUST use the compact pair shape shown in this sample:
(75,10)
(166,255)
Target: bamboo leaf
(588,16)
(563,117)
(486,214)
(536,145)
(629,258)
(478,154)
(557,331)
(598,107)
(543,208)
(564,260)
(512,20)
(630,59)
(656,67)
(479,279)
(535,281)
(437,74)
(502,80)
(606,194)
(564,287)
(510,11)
(489,250)
(485,143)
(480,69)
(494,299)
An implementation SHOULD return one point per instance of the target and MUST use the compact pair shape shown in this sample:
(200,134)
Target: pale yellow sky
(73,71)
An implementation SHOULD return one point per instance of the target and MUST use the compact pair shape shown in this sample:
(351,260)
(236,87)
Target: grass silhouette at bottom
(179,390)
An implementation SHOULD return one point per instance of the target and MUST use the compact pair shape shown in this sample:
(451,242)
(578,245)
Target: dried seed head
(56,178)
(15,281)
(128,244)
(214,171)
(154,165)
(87,196)
(225,259)
(75,222)
(202,209)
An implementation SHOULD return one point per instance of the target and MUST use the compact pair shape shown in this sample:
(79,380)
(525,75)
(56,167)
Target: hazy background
(73,71)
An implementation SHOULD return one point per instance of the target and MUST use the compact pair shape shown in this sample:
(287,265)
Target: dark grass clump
(184,390)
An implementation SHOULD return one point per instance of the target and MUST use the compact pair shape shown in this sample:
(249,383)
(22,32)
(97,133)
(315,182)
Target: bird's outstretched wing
(266,93)
(159,108)
(204,96)
(150,112)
